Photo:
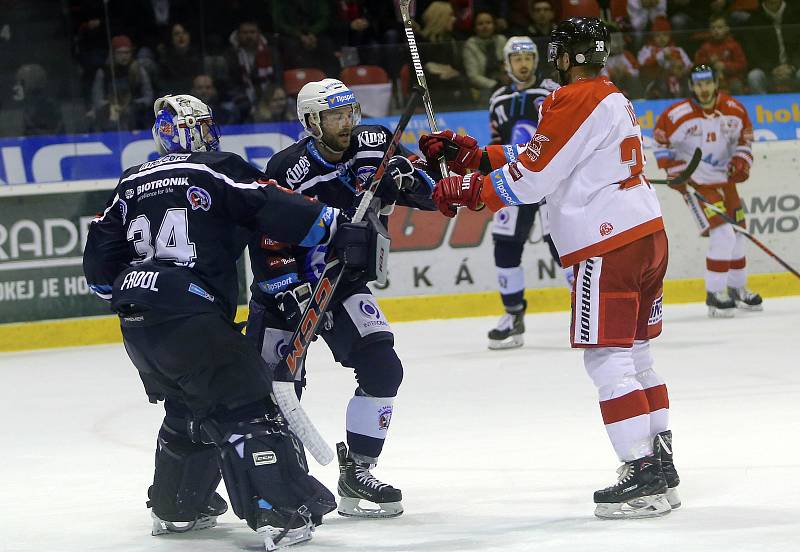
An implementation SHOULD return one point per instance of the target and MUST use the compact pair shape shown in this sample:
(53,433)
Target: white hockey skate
(510,330)
(356,483)
(720,304)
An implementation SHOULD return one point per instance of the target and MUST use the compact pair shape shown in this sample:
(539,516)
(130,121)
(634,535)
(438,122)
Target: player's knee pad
(508,253)
(612,371)
(186,474)
(721,242)
(378,369)
(643,363)
(265,472)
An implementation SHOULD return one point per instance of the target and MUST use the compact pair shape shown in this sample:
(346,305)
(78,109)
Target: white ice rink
(493,450)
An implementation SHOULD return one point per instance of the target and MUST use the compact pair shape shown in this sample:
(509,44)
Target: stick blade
(300,423)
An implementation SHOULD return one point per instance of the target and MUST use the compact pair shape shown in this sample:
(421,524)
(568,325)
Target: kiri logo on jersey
(198,198)
(278,284)
(298,172)
(371,139)
(343,98)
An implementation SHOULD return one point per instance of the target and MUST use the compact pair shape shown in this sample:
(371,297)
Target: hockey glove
(461,152)
(458,191)
(363,248)
(293,302)
(738,169)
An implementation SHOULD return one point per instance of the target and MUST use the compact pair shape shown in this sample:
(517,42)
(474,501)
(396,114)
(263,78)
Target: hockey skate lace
(745,294)
(364,477)
(506,322)
(625,472)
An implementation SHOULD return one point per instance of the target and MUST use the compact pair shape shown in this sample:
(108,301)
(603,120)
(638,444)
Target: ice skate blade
(673,498)
(714,312)
(751,308)
(349,507)
(161,527)
(511,342)
(645,507)
(292,536)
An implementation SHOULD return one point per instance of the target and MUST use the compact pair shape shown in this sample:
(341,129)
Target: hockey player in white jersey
(719,125)
(586,160)
(513,116)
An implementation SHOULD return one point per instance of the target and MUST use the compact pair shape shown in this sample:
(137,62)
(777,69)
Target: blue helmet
(184,124)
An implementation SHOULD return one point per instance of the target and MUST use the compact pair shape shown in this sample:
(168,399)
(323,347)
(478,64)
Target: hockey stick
(284,375)
(421,82)
(724,216)
(684,175)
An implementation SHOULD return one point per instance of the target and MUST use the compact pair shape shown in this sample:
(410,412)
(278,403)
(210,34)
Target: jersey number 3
(172,241)
(630,153)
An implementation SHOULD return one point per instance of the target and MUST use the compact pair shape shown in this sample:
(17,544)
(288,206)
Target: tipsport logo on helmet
(343,98)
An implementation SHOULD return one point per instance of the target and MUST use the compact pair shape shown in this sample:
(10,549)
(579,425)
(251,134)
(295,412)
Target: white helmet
(184,124)
(517,44)
(318,96)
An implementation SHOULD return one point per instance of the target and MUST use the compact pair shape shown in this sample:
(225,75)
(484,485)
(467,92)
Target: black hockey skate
(746,299)
(720,304)
(356,483)
(165,521)
(638,493)
(280,527)
(508,334)
(662,447)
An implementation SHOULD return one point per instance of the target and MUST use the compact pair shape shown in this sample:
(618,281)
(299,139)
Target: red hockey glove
(461,152)
(738,169)
(457,191)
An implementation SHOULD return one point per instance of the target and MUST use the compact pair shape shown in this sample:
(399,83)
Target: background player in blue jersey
(334,163)
(514,116)
(164,254)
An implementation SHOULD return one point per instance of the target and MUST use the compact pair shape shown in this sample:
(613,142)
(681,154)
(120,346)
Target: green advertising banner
(41,246)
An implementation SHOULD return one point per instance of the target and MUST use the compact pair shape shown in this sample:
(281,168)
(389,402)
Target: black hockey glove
(293,303)
(363,248)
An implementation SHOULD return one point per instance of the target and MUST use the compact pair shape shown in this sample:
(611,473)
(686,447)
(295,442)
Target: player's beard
(337,142)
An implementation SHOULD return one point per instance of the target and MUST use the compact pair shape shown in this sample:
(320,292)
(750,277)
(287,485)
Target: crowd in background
(79,66)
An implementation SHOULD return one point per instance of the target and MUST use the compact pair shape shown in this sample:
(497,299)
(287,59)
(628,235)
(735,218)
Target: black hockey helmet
(585,39)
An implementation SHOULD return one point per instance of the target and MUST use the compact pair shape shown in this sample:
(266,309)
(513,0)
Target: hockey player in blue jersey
(514,116)
(334,163)
(164,254)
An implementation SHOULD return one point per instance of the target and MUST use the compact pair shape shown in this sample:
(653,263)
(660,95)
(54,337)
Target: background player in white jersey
(513,116)
(720,126)
(586,159)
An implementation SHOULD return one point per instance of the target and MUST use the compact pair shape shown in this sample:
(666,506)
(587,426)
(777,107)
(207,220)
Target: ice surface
(495,450)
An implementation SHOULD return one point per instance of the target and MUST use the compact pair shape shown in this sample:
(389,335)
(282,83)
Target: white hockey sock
(510,280)
(623,402)
(721,244)
(654,387)
(369,416)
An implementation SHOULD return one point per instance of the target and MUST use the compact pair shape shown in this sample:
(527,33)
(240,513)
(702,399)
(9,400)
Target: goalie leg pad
(186,476)
(266,474)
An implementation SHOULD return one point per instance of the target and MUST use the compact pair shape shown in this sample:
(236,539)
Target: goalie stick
(684,175)
(284,374)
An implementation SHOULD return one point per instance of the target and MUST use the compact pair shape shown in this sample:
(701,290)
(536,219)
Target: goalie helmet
(184,124)
(585,39)
(518,45)
(318,96)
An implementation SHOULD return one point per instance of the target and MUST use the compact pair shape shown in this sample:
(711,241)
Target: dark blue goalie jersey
(174,228)
(300,167)
(514,114)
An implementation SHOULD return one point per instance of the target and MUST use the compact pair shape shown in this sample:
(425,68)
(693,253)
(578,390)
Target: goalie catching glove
(461,152)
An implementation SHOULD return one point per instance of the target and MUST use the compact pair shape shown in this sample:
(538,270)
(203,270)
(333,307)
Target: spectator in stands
(178,62)
(122,93)
(305,24)
(368,27)
(483,57)
(774,47)
(579,8)
(664,65)
(41,114)
(274,106)
(542,22)
(441,54)
(691,14)
(643,13)
(622,66)
(225,112)
(725,54)
(249,61)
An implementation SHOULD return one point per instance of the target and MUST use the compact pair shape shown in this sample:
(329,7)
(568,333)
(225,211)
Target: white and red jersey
(722,133)
(586,159)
